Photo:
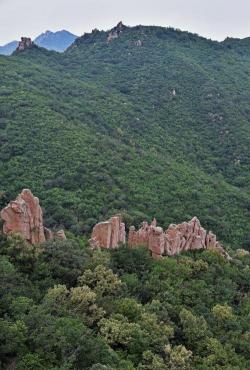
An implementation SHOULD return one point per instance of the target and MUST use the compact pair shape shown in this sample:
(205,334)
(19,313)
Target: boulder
(108,234)
(24,216)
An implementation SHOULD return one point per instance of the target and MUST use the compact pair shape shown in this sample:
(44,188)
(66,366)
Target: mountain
(145,121)
(58,41)
(142,122)
(8,48)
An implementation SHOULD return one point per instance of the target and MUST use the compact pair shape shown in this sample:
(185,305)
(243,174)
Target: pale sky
(214,19)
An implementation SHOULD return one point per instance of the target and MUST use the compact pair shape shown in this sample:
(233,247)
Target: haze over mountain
(57,41)
(8,48)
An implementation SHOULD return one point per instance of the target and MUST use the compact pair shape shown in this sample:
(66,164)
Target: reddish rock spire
(24,216)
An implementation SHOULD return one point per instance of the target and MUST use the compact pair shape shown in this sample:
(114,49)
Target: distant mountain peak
(47,33)
(58,41)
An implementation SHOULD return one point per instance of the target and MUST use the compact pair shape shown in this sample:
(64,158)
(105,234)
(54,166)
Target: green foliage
(129,312)
(97,130)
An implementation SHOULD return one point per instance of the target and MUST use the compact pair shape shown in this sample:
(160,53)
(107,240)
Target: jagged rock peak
(175,240)
(120,26)
(25,43)
(24,216)
(116,31)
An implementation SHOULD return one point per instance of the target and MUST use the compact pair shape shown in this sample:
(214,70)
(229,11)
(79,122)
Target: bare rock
(108,234)
(24,216)
(156,241)
(115,32)
(60,235)
(186,236)
(138,43)
(176,239)
(25,43)
(49,235)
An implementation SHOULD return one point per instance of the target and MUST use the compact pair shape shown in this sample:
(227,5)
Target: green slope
(98,130)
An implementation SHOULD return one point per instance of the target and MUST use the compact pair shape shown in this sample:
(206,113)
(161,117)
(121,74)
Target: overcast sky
(215,19)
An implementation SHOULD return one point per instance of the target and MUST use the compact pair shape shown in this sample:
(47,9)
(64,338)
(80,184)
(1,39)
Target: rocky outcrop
(116,31)
(187,236)
(176,239)
(25,43)
(24,216)
(108,234)
(138,43)
(60,234)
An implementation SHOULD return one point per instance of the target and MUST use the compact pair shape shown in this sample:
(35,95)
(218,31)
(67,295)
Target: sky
(215,19)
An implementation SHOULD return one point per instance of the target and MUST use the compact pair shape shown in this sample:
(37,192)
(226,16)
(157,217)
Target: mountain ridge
(120,140)
(57,41)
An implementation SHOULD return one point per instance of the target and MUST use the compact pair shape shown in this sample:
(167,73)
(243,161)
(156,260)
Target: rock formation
(25,43)
(108,234)
(176,239)
(60,234)
(138,43)
(24,216)
(115,32)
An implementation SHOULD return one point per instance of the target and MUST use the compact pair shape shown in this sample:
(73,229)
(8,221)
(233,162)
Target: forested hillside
(146,121)
(66,307)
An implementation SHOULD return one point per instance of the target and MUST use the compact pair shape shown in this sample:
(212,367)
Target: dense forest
(144,121)
(152,123)
(66,307)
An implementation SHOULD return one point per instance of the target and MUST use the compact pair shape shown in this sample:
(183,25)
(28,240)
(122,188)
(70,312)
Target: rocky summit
(25,43)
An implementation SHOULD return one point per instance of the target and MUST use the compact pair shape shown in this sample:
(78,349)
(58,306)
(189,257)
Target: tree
(102,280)
(194,329)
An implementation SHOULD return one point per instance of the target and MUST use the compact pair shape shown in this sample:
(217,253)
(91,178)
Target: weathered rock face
(25,43)
(24,216)
(108,234)
(176,239)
